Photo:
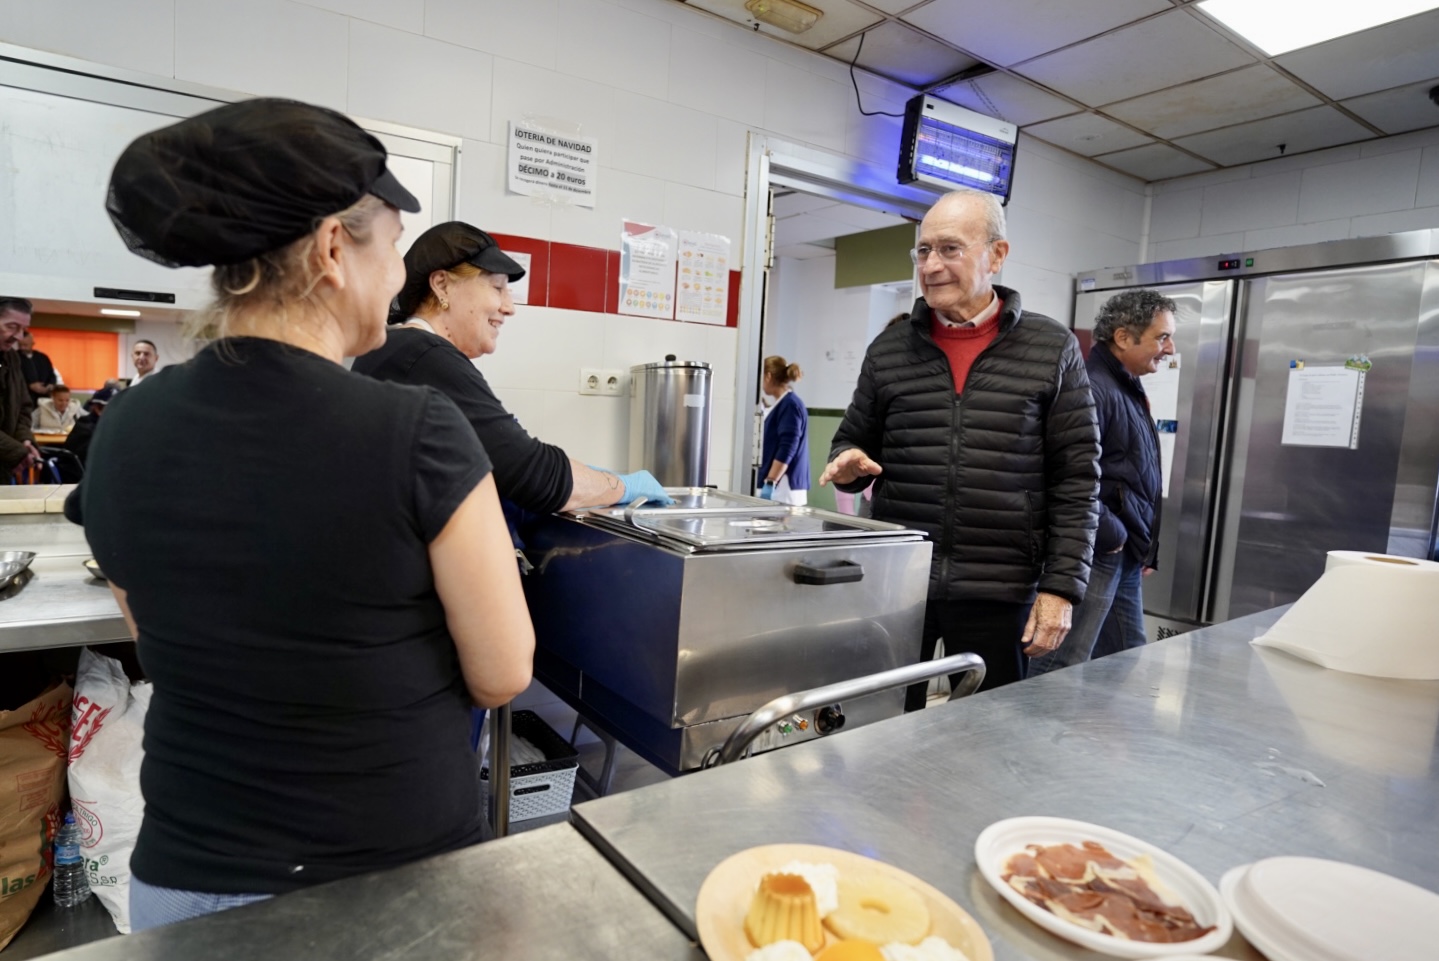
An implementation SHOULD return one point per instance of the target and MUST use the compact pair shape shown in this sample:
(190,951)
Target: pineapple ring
(879,909)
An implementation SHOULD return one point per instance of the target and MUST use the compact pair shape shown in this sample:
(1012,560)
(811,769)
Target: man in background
(17,449)
(38,369)
(1133,336)
(144,355)
(975,418)
(78,443)
(55,414)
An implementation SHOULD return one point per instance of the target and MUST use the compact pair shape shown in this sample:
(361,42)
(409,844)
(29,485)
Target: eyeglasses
(949,253)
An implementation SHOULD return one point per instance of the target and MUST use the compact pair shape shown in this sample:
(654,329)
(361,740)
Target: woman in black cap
(455,299)
(316,563)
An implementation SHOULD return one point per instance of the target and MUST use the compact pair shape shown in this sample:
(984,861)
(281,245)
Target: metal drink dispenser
(670,406)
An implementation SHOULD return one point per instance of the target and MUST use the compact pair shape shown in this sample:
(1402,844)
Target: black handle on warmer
(845,572)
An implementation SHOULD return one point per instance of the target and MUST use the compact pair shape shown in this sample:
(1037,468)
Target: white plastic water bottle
(71,886)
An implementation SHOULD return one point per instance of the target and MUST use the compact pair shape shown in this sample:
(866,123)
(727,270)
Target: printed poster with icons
(648,258)
(703,295)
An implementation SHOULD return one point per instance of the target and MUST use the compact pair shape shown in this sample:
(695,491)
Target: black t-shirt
(269,514)
(533,474)
(38,369)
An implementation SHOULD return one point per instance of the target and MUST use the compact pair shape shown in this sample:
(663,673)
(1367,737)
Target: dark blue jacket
(1130,483)
(786,439)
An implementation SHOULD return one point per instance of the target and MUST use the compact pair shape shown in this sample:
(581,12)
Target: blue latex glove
(767,491)
(643,484)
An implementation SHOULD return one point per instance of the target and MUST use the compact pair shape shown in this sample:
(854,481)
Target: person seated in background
(55,414)
(17,448)
(784,458)
(39,370)
(78,441)
(302,728)
(449,313)
(144,355)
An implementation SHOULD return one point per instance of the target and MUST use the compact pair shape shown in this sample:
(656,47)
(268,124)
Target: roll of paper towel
(1372,614)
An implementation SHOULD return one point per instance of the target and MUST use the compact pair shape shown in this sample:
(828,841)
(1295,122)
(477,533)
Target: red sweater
(962,345)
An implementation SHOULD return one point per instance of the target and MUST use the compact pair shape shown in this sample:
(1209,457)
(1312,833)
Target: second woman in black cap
(456,297)
(316,563)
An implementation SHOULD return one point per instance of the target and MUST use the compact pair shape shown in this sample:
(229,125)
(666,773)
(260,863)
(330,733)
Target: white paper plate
(1003,839)
(1310,909)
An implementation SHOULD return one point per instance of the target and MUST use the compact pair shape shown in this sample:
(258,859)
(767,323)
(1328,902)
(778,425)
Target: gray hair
(991,205)
(1133,310)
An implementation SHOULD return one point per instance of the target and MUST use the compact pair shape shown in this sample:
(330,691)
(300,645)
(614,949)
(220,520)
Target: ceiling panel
(1393,55)
(1007,98)
(787,205)
(1087,134)
(809,228)
(862,218)
(1007,33)
(905,55)
(1157,161)
(1310,129)
(841,18)
(1399,110)
(891,6)
(1157,53)
(1250,93)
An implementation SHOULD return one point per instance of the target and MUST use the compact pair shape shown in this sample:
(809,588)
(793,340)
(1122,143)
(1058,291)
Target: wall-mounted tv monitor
(948,147)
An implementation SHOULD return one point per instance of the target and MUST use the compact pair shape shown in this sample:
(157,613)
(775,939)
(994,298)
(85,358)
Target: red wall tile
(612,281)
(731,317)
(539,251)
(577,277)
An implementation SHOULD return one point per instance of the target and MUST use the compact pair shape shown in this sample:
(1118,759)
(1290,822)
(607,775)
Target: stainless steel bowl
(94,568)
(12,563)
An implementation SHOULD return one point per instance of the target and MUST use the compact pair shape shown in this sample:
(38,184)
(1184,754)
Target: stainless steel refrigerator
(1302,416)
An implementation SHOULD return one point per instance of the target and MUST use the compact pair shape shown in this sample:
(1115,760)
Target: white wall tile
(1305,161)
(602,43)
(642,340)
(484,201)
(1251,204)
(518,31)
(731,157)
(697,64)
(265,47)
(1032,147)
(689,208)
(1367,186)
(660,139)
(523,91)
(401,14)
(1072,194)
(876,139)
(542,348)
(802,106)
(1423,218)
(1196,247)
(723,344)
(1044,291)
(1428,193)
(1173,216)
(138,35)
(1042,240)
(1404,141)
(1313,233)
(593,430)
(621,196)
(394,75)
(1195,181)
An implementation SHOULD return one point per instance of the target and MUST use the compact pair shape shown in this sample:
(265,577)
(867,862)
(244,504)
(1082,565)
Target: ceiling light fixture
(113,312)
(788,15)
(1279,26)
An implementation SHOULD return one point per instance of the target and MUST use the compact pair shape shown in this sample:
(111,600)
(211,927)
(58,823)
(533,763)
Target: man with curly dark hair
(1133,336)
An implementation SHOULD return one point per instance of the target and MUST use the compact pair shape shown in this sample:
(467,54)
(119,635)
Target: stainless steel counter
(543,895)
(1216,752)
(58,604)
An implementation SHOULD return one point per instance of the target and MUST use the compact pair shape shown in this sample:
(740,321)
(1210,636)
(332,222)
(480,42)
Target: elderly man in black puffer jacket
(975,422)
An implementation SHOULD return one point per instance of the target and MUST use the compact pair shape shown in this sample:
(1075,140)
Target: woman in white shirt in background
(55,414)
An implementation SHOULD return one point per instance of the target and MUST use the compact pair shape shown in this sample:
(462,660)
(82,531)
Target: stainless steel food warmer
(669,625)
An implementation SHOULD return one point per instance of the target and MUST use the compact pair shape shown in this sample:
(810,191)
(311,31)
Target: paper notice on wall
(1162,389)
(703,294)
(556,166)
(520,289)
(648,258)
(1323,406)
(1166,459)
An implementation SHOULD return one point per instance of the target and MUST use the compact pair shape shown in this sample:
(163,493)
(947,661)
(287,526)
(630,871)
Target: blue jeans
(1110,619)
(152,906)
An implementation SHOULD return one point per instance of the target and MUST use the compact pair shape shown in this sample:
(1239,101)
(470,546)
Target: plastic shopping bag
(107,726)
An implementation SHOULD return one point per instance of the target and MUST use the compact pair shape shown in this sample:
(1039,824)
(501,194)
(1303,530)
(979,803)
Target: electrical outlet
(612,383)
(592,380)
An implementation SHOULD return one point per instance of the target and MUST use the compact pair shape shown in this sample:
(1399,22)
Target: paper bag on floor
(107,727)
(32,784)
(1370,614)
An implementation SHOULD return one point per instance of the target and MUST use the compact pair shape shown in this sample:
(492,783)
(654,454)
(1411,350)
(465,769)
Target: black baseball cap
(244,179)
(444,247)
(101,396)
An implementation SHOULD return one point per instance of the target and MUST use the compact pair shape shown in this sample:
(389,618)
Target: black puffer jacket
(1002,477)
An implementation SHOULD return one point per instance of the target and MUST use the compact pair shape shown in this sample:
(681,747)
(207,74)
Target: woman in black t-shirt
(314,563)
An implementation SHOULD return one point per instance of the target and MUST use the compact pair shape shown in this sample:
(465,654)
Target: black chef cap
(244,179)
(445,247)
